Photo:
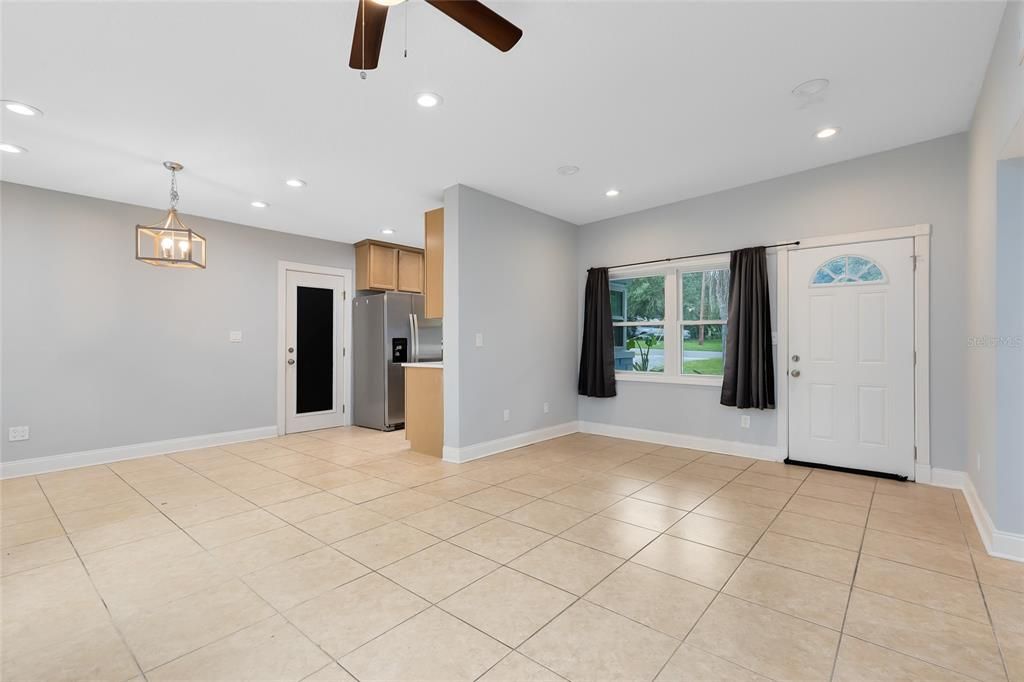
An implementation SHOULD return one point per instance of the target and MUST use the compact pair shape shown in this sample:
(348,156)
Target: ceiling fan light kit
(170,243)
(372,16)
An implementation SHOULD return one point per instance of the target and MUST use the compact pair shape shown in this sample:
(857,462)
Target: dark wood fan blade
(364,57)
(482,21)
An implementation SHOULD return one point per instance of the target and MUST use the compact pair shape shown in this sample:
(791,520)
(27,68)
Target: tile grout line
(853,581)
(88,575)
(720,591)
(984,598)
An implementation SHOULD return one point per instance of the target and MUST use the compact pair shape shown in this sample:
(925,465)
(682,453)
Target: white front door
(314,337)
(851,364)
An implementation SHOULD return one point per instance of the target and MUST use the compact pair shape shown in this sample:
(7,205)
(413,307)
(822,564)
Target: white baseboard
(680,440)
(998,543)
(493,447)
(73,460)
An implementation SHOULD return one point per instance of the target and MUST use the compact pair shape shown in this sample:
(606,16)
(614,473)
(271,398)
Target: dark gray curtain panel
(749,379)
(597,357)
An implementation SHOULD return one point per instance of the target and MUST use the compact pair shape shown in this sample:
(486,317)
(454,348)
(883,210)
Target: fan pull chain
(362,18)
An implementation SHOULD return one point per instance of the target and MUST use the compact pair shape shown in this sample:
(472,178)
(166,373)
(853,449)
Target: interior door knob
(794,373)
(291,361)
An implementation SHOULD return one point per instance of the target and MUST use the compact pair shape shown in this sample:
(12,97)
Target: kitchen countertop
(425,365)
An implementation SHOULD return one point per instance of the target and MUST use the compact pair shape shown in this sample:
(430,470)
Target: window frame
(673,322)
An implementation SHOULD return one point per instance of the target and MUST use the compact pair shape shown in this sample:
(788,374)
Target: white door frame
(921,236)
(283,267)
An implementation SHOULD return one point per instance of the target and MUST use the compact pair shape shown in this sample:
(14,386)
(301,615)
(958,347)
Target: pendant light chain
(174,189)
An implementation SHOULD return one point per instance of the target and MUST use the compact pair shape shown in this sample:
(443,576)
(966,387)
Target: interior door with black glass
(314,336)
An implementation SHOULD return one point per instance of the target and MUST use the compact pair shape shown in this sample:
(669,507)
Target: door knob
(794,373)
(291,361)
(291,350)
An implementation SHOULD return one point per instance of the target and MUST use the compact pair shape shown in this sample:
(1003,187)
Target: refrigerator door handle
(414,340)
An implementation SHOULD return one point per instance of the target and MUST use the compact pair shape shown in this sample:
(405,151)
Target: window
(705,311)
(638,321)
(669,324)
(847,270)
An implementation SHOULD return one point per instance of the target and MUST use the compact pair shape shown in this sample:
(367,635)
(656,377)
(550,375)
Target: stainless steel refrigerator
(388,329)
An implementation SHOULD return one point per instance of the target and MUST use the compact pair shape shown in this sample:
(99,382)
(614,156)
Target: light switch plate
(18,433)
(235,337)
(745,421)
(479,340)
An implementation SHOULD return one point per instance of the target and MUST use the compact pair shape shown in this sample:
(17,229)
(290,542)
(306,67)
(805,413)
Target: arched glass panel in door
(847,270)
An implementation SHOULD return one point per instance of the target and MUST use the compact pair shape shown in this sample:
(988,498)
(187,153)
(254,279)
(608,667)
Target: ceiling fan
(473,15)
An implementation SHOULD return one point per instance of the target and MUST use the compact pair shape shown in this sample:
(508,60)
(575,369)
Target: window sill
(653,378)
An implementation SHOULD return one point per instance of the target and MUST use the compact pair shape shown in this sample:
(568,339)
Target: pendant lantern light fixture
(170,243)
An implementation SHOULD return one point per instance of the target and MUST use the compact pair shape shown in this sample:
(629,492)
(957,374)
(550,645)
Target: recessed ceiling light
(389,3)
(826,133)
(428,100)
(259,204)
(568,170)
(811,88)
(295,182)
(612,193)
(21,108)
(11,148)
(387,230)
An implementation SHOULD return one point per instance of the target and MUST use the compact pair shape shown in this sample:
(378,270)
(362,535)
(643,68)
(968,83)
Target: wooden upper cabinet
(388,267)
(433,260)
(410,272)
(383,267)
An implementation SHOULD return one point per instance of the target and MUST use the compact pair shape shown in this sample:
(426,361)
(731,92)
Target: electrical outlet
(507,415)
(479,340)
(745,421)
(235,337)
(17,433)
(547,408)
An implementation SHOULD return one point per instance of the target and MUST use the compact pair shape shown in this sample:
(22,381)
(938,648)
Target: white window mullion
(672,336)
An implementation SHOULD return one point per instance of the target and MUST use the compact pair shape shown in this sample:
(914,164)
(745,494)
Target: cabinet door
(383,267)
(433,258)
(410,272)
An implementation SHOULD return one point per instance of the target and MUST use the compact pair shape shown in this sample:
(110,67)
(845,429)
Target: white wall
(100,350)
(994,467)
(922,183)
(510,274)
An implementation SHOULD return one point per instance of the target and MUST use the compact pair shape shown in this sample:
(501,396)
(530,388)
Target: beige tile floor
(341,554)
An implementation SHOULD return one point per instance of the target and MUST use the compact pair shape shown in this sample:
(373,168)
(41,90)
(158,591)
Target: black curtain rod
(696,255)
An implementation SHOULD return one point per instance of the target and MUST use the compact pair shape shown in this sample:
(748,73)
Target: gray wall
(1009,508)
(1000,105)
(100,350)
(922,183)
(510,275)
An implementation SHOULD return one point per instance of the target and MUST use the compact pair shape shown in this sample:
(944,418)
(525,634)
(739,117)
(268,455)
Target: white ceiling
(665,100)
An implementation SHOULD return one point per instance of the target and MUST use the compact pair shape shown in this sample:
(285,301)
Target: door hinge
(915,453)
(344,352)
(343,412)
(915,357)
(913,259)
